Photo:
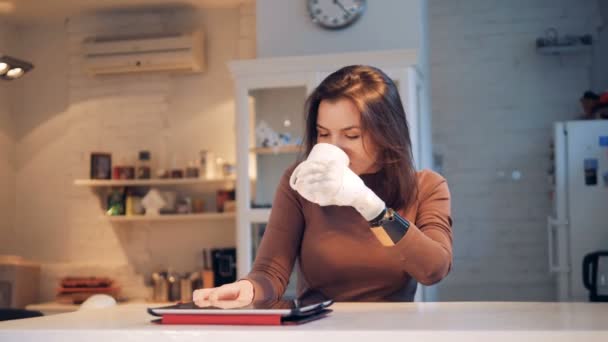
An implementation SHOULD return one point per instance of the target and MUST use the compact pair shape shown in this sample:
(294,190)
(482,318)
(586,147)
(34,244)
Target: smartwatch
(393,224)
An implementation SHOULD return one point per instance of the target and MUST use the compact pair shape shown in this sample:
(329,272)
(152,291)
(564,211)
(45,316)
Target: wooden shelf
(277,150)
(173,217)
(152,182)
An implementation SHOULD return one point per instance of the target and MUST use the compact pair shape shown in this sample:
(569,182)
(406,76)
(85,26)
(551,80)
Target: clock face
(335,14)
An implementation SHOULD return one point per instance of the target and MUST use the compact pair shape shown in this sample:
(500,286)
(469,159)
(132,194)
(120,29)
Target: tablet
(285,308)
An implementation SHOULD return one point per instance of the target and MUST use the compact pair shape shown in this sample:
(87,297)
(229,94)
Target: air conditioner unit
(171,52)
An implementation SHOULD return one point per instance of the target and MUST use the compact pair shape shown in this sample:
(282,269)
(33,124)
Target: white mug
(322,152)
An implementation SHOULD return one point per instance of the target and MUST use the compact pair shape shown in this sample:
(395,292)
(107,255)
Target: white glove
(330,182)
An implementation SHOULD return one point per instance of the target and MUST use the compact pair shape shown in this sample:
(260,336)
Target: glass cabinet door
(279,127)
(277,122)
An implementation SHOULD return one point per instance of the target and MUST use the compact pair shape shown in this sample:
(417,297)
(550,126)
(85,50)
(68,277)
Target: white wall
(494,100)
(8,37)
(284,28)
(73,114)
(599,71)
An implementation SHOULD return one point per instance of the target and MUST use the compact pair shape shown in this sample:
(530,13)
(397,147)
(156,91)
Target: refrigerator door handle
(550,238)
(552,226)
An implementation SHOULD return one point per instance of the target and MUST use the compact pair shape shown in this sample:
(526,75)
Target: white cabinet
(289,75)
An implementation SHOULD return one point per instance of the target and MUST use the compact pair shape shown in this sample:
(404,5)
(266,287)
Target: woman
(332,216)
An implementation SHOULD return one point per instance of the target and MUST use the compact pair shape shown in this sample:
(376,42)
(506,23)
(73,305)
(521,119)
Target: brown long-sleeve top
(339,256)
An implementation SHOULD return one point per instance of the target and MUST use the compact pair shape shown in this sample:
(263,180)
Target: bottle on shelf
(116,202)
(143,165)
(133,205)
(203,157)
(210,165)
(219,167)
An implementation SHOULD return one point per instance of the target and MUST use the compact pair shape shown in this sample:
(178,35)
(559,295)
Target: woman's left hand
(332,183)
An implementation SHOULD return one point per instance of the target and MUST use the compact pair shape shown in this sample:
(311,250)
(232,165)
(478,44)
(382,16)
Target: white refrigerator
(579,222)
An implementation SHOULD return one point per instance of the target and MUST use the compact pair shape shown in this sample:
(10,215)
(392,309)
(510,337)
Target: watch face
(335,14)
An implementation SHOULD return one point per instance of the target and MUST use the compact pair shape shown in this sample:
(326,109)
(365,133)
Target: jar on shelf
(123,170)
(192,171)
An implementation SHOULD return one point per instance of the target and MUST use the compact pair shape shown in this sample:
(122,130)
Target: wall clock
(335,14)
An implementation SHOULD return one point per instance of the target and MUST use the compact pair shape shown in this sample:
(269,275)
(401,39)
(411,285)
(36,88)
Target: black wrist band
(376,220)
(393,224)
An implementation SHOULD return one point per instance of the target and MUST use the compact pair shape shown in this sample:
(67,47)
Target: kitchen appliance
(595,275)
(19,282)
(224,265)
(579,221)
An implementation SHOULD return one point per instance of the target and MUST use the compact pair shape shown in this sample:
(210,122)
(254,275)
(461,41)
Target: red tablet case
(241,319)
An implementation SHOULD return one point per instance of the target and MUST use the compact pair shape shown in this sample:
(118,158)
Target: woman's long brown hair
(382,118)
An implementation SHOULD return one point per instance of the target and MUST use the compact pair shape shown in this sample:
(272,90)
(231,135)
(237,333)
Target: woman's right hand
(233,295)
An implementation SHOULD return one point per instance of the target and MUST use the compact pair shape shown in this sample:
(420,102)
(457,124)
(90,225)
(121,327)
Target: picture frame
(101,165)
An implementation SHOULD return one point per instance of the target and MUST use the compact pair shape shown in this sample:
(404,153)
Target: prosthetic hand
(325,178)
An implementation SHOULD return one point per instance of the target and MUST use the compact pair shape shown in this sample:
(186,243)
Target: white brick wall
(73,114)
(7,145)
(247,32)
(493,102)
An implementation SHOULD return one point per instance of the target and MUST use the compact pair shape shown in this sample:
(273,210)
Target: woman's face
(339,123)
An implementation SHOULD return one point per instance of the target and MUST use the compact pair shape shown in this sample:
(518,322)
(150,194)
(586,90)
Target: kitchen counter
(53,308)
(369,322)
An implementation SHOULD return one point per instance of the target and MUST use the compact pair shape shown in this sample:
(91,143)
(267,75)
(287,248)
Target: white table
(369,322)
